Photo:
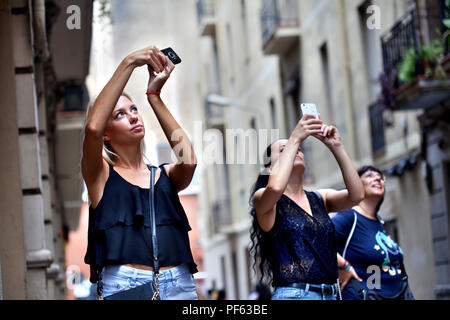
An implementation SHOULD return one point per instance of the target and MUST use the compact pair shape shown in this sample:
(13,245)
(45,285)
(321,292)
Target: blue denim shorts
(289,293)
(174,284)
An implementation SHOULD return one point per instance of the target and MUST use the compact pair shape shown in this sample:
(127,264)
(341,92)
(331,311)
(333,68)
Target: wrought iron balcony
(377,129)
(206,13)
(426,86)
(280,25)
(397,41)
(444,17)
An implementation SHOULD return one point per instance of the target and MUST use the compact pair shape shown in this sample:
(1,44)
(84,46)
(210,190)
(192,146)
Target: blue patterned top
(371,252)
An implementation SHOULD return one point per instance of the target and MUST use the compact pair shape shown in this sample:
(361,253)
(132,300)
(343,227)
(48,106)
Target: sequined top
(303,246)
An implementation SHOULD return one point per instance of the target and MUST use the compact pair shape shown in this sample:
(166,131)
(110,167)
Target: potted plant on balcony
(424,64)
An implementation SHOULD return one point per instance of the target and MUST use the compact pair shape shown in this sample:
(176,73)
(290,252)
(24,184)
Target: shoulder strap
(351,234)
(153,221)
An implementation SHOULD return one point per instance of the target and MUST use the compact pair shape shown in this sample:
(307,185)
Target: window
(245,29)
(230,53)
(221,202)
(291,90)
(370,44)
(273,113)
(235,275)
(76,97)
(377,135)
(218,87)
(224,273)
(326,76)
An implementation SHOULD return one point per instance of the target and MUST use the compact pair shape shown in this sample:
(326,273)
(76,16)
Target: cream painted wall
(415,237)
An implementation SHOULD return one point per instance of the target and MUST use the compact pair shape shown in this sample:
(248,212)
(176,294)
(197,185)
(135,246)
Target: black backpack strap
(153,219)
(154,238)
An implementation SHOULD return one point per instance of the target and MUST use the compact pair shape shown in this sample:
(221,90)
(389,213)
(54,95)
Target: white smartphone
(309,108)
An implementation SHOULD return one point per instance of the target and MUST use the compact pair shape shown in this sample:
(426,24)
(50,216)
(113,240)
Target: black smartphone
(171,55)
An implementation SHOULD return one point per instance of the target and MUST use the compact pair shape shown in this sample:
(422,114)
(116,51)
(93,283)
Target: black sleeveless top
(303,247)
(119,229)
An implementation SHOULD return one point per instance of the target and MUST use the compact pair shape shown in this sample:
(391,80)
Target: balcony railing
(206,16)
(377,129)
(444,18)
(407,32)
(402,37)
(276,15)
(421,85)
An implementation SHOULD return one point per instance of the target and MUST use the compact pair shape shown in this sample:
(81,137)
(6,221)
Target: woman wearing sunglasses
(372,265)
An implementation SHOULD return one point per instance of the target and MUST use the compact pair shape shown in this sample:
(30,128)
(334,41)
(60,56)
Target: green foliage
(407,68)
(429,56)
(446,20)
(105,11)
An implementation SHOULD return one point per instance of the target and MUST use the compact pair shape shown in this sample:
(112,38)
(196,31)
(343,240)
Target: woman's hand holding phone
(150,55)
(308,125)
(157,80)
(329,135)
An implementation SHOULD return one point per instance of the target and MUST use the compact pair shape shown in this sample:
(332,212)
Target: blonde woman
(118,181)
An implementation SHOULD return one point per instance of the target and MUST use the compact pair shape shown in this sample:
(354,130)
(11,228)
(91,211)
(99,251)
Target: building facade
(261,59)
(37,77)
(243,100)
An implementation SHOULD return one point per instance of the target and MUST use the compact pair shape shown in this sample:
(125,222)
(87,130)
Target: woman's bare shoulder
(96,186)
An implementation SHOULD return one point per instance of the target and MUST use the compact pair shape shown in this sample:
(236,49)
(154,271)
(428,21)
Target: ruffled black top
(119,229)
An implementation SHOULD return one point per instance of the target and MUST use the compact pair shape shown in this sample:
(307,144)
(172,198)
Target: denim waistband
(164,275)
(323,288)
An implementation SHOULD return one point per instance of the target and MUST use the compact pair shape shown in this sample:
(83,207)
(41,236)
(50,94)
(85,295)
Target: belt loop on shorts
(132,280)
(323,291)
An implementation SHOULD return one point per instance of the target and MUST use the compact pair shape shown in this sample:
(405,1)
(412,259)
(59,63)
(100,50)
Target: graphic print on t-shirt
(385,245)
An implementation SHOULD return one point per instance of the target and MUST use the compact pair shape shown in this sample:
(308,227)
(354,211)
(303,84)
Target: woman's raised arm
(343,199)
(92,163)
(265,199)
(181,173)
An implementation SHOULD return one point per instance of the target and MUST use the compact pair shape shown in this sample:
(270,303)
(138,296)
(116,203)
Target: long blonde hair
(108,153)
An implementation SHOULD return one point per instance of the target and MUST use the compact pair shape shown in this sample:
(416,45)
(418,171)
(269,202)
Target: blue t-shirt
(370,247)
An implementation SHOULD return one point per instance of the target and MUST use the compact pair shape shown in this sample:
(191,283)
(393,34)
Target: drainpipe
(41,52)
(347,82)
(46,258)
(40,35)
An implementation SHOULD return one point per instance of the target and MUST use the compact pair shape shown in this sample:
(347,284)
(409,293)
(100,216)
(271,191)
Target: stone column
(1,287)
(38,257)
(12,246)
